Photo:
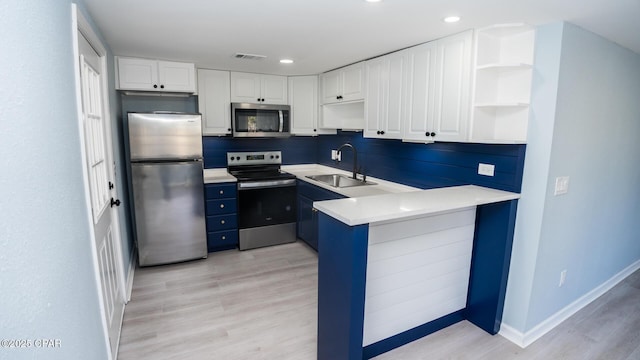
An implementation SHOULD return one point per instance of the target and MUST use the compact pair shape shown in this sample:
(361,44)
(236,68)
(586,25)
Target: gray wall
(592,231)
(47,284)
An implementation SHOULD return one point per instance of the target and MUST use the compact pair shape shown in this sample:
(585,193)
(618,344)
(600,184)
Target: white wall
(592,231)
(47,283)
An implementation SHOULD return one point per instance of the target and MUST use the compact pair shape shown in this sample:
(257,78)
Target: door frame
(82,25)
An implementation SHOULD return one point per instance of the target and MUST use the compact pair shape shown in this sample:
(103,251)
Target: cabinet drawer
(224,206)
(222,239)
(316,193)
(220,191)
(222,222)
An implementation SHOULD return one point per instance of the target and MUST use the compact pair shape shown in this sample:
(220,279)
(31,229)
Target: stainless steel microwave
(260,120)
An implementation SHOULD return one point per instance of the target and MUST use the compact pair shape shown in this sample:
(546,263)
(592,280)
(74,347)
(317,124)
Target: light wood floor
(261,304)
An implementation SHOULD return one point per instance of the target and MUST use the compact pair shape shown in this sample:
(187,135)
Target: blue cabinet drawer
(227,239)
(223,206)
(222,222)
(220,191)
(316,193)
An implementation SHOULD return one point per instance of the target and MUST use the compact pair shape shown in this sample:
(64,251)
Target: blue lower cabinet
(222,218)
(308,217)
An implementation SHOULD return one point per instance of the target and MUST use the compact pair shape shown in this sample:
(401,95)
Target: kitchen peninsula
(396,267)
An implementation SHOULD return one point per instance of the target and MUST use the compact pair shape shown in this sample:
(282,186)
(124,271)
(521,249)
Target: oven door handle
(261,184)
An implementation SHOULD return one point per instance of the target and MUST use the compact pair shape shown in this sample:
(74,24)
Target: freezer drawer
(169,211)
(164,136)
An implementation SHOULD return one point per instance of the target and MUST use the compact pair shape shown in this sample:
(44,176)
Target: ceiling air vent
(249,56)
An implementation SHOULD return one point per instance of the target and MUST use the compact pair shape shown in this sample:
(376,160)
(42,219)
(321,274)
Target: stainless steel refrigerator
(165,152)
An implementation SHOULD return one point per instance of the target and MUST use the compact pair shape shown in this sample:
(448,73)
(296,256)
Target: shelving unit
(502,91)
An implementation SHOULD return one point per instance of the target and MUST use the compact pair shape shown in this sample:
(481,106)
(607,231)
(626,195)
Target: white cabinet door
(303,98)
(395,112)
(137,74)
(345,84)
(353,82)
(176,76)
(273,89)
(420,86)
(245,87)
(213,101)
(374,108)
(384,106)
(453,87)
(331,86)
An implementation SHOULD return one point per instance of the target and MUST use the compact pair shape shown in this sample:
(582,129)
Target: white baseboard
(525,339)
(132,269)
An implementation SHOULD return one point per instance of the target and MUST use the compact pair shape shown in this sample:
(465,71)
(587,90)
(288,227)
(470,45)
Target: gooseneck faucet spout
(355,157)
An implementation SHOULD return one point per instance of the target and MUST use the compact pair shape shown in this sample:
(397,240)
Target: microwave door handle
(281,120)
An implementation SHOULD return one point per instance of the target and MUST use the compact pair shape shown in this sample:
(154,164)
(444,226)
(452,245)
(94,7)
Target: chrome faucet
(355,157)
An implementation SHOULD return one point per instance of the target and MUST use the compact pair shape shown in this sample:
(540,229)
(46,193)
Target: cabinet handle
(258,99)
(155,86)
(382,132)
(221,206)
(222,222)
(427,134)
(221,192)
(224,237)
(433,134)
(229,129)
(315,130)
(161,86)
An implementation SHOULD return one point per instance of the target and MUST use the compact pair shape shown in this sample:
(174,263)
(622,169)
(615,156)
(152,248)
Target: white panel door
(176,76)
(303,98)
(137,74)
(273,89)
(101,177)
(420,88)
(213,101)
(245,87)
(353,82)
(375,101)
(331,86)
(453,87)
(395,112)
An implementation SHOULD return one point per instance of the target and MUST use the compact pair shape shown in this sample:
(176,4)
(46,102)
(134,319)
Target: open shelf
(502,90)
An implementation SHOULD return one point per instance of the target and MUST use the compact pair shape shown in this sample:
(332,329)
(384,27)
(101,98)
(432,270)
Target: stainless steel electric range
(266,199)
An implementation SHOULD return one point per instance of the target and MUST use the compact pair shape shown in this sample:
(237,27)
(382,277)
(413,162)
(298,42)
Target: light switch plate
(562,185)
(486,169)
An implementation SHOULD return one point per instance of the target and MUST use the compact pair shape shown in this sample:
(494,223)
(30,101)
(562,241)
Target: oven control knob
(272,156)
(277,156)
(232,158)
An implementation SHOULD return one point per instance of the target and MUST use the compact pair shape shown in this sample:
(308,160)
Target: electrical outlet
(486,169)
(334,154)
(562,185)
(563,277)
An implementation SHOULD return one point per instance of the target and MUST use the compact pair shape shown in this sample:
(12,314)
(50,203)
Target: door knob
(115,202)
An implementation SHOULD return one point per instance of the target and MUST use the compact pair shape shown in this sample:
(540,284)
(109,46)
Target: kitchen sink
(339,180)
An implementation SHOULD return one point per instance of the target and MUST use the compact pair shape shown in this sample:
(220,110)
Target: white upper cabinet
(503,75)
(154,75)
(258,88)
(214,101)
(453,87)
(303,99)
(438,90)
(345,84)
(385,106)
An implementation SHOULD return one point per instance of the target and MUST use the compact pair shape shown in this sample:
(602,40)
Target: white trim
(75,21)
(132,269)
(525,339)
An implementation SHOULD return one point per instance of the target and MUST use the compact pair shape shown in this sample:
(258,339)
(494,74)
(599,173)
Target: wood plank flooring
(261,304)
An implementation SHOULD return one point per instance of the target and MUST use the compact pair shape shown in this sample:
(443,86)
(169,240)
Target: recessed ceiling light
(373,1)
(286,61)
(451,19)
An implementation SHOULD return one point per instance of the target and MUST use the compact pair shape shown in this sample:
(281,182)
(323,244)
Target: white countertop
(381,187)
(212,176)
(371,209)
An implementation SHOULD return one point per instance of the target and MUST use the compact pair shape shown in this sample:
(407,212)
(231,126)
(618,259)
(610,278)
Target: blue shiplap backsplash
(419,165)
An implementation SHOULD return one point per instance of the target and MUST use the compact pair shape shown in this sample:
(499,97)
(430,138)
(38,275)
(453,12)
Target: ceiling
(323,35)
